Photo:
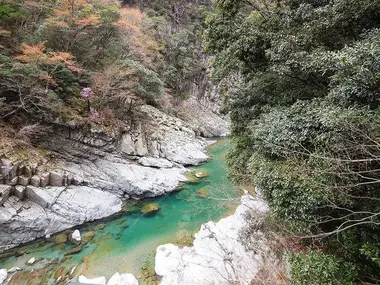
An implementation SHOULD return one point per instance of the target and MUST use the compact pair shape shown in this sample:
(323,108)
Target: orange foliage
(32,53)
(70,13)
(36,54)
(131,25)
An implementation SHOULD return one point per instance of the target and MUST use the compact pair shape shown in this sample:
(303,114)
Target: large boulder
(3,275)
(123,279)
(217,255)
(75,237)
(99,280)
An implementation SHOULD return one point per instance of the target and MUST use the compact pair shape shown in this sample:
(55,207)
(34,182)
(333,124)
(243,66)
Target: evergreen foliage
(302,87)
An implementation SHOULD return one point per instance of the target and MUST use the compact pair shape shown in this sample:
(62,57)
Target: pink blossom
(86,93)
(94,115)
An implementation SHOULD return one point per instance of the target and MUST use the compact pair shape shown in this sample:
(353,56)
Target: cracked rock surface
(23,221)
(217,255)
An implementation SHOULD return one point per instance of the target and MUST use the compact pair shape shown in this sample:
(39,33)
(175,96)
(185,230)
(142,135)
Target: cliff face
(88,174)
(203,109)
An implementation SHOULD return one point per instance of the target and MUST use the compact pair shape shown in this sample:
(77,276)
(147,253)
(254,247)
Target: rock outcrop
(24,220)
(88,174)
(123,279)
(116,279)
(99,280)
(3,275)
(217,255)
(207,124)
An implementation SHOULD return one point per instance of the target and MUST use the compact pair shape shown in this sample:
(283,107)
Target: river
(127,242)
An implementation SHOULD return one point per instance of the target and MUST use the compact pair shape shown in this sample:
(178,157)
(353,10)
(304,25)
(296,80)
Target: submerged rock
(203,193)
(99,227)
(61,238)
(150,209)
(123,279)
(87,237)
(217,255)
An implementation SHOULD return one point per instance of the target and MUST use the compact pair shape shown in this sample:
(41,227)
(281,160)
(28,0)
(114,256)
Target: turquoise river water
(127,242)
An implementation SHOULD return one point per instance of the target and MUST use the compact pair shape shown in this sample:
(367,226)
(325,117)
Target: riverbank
(130,240)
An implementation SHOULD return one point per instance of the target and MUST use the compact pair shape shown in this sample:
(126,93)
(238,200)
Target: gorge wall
(86,174)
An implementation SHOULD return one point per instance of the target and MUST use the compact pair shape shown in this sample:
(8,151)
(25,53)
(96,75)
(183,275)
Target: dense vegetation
(92,62)
(301,81)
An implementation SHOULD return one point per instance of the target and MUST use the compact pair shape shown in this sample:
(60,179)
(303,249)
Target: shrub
(317,268)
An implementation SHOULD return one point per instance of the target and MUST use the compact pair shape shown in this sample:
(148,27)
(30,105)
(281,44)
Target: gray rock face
(126,180)
(5,192)
(35,180)
(144,159)
(206,123)
(23,221)
(19,191)
(44,197)
(217,256)
(56,178)
(23,180)
(155,162)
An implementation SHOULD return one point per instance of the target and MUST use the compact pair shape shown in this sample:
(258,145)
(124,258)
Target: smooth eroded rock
(217,255)
(46,197)
(99,280)
(31,261)
(75,237)
(3,275)
(155,162)
(150,209)
(123,279)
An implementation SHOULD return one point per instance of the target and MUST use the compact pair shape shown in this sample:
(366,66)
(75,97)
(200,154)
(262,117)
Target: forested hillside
(91,62)
(301,80)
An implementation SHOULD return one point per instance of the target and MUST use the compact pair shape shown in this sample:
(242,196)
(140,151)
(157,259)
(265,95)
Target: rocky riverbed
(218,254)
(88,174)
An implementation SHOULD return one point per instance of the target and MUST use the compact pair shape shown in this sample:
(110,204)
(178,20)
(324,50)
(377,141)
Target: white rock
(72,270)
(27,220)
(216,257)
(155,162)
(75,237)
(31,261)
(3,275)
(123,279)
(99,280)
(14,269)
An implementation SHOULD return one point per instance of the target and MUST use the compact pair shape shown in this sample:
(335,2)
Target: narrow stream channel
(127,242)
